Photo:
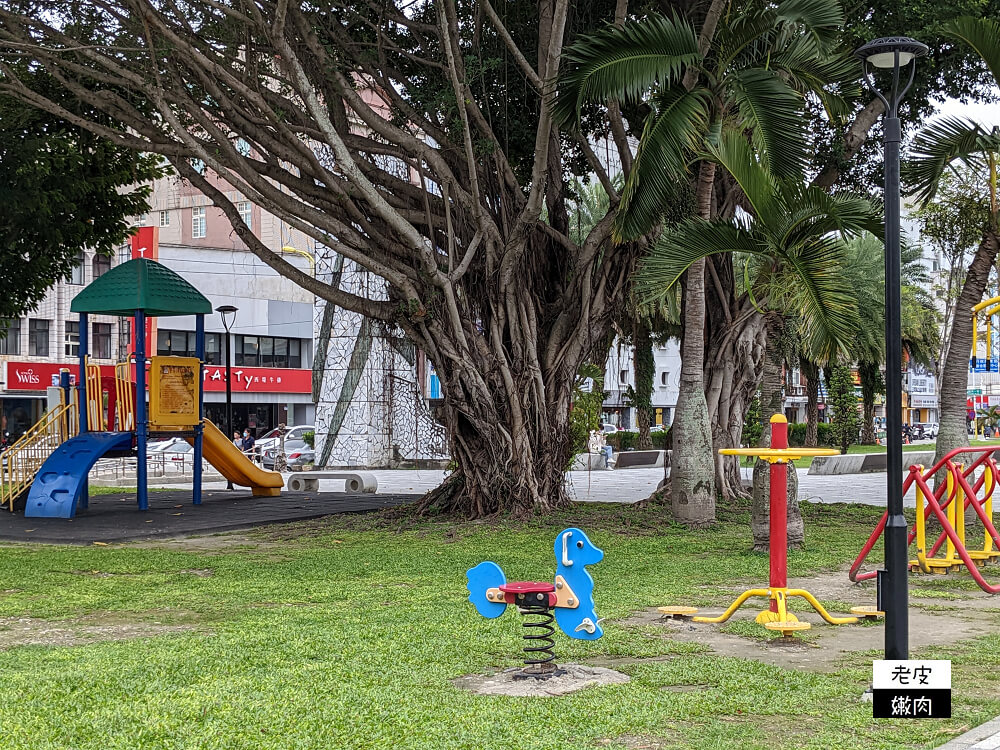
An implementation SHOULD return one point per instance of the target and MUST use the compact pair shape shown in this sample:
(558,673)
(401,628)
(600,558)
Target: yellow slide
(234,466)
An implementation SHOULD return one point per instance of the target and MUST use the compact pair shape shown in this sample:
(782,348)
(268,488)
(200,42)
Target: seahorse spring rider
(569,600)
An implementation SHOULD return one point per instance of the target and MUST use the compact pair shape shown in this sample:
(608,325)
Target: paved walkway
(984,737)
(633,485)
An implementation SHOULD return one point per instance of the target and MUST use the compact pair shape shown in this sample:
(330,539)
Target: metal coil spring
(539,643)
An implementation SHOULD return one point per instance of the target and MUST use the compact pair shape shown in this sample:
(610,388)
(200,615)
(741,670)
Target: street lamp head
(881,53)
(228,313)
(890,53)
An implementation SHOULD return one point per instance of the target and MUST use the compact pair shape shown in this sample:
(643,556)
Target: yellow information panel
(173,391)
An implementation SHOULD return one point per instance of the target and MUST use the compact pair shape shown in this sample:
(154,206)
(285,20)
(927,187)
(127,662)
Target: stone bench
(866,463)
(640,459)
(355,481)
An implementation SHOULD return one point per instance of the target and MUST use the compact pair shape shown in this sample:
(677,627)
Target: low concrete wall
(587,462)
(865,463)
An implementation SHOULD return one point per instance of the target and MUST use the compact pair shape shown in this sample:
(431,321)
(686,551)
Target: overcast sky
(984,114)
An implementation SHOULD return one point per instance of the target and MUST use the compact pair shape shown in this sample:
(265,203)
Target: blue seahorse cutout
(574,551)
(485,576)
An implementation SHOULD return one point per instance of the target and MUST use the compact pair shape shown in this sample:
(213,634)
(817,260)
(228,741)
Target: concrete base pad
(576,677)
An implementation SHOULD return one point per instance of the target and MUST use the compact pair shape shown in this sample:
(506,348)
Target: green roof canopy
(141,284)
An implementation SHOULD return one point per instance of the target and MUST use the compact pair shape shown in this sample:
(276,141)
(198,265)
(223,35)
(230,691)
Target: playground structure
(777,617)
(105,415)
(958,490)
(989,309)
(569,601)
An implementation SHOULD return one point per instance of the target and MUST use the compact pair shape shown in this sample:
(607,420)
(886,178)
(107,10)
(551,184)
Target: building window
(101,265)
(124,338)
(245,215)
(213,348)
(10,336)
(198,225)
(623,376)
(102,340)
(38,338)
(663,377)
(76,275)
(250,349)
(72,344)
(164,218)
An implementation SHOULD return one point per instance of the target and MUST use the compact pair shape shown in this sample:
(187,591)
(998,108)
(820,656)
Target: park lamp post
(228,313)
(891,54)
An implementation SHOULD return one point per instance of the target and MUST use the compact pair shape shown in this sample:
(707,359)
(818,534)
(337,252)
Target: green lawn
(345,633)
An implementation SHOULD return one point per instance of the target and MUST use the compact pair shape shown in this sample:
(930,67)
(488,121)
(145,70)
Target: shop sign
(37,376)
(259,380)
(923,402)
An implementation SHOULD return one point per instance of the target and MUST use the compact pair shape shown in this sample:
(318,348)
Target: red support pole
(779,509)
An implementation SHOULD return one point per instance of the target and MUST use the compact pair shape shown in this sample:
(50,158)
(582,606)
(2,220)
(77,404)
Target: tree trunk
(871,384)
(770,405)
(811,371)
(692,491)
(952,428)
(732,374)
(642,360)
(692,494)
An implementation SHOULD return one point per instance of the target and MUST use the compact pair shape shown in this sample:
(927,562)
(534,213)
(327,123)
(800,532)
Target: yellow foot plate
(867,611)
(677,611)
(788,626)
(768,616)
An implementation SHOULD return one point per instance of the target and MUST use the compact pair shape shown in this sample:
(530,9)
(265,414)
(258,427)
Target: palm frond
(734,153)
(819,292)
(832,75)
(691,240)
(982,34)
(947,140)
(774,113)
(624,63)
(821,18)
(813,212)
(671,135)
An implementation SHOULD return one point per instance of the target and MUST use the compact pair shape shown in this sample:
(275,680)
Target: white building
(619,376)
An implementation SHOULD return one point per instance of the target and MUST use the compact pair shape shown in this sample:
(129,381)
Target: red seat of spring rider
(529,592)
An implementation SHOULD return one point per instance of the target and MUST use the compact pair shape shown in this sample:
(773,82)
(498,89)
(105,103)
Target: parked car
(296,454)
(608,429)
(272,438)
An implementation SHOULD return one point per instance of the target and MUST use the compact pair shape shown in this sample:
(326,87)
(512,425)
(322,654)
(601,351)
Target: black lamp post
(228,313)
(891,54)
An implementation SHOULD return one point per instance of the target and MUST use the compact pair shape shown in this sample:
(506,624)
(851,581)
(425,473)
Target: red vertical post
(778,512)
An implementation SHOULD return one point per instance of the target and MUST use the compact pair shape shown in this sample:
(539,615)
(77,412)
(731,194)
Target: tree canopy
(62,190)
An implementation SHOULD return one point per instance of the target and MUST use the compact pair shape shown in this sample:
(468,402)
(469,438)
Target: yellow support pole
(988,508)
(949,554)
(921,529)
(959,503)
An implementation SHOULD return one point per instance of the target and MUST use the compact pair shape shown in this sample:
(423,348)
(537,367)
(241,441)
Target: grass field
(345,633)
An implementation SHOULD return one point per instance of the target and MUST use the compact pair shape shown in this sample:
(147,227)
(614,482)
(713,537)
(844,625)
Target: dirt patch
(215,543)
(575,677)
(640,742)
(829,646)
(30,631)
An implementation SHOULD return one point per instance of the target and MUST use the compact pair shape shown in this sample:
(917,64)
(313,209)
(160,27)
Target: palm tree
(747,73)
(941,146)
(793,256)
(919,317)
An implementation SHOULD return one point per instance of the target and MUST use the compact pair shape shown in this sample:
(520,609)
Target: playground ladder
(20,462)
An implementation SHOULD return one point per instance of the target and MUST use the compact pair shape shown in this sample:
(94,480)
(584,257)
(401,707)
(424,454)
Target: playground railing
(948,503)
(125,396)
(25,456)
(95,399)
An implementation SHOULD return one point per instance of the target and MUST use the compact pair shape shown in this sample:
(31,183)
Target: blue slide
(56,489)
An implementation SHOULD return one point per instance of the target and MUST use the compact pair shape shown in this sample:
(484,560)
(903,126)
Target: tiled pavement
(632,485)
